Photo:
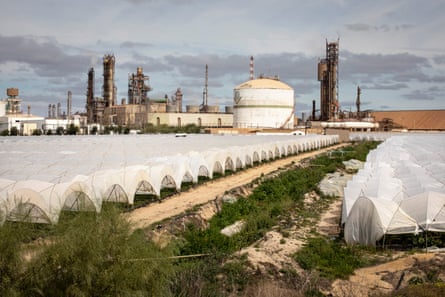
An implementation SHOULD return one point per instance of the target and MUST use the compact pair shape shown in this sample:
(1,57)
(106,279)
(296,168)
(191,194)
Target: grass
(275,201)
(93,249)
(331,258)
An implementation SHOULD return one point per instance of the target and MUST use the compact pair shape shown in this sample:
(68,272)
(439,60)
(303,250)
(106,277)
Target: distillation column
(328,77)
(109,89)
(90,96)
(69,105)
(138,88)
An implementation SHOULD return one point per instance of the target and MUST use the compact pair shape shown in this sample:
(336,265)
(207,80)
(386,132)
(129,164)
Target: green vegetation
(14,131)
(420,290)
(89,254)
(114,129)
(72,130)
(413,241)
(189,128)
(86,254)
(273,201)
(37,132)
(331,258)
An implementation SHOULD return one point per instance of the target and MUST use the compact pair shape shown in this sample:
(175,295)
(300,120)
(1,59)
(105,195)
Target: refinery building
(140,110)
(13,119)
(262,103)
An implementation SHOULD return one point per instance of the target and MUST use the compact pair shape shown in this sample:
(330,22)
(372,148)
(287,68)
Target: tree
(72,130)
(94,130)
(37,132)
(59,131)
(14,131)
(99,255)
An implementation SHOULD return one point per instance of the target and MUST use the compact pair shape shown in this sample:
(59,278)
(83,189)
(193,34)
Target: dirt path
(177,204)
(330,220)
(383,278)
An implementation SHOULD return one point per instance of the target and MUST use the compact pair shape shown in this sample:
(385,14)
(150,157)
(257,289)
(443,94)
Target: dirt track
(177,204)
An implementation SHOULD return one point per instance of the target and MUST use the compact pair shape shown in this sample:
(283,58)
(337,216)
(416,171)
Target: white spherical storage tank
(263,103)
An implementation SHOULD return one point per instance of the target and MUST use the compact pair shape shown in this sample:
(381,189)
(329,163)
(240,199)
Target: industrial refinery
(264,102)
(139,109)
(328,77)
(260,103)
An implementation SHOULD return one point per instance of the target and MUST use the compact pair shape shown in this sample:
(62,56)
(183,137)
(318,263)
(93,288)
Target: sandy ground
(177,204)
(275,251)
(383,278)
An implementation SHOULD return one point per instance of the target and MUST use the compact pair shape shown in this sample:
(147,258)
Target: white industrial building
(182,119)
(11,115)
(263,103)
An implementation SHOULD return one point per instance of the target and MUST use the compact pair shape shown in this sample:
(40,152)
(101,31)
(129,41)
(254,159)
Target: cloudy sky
(394,50)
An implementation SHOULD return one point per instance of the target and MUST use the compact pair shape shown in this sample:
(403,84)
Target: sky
(394,50)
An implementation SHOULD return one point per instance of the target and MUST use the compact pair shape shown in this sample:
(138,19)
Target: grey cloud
(131,44)
(378,65)
(297,70)
(419,95)
(362,27)
(427,94)
(438,78)
(219,66)
(403,27)
(358,27)
(384,28)
(139,2)
(149,64)
(289,67)
(44,57)
(387,86)
(439,59)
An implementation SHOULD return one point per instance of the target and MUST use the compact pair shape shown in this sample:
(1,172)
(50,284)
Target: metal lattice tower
(328,77)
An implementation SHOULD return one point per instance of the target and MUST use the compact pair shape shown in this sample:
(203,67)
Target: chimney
(251,68)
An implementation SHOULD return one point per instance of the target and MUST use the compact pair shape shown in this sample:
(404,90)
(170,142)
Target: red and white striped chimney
(251,67)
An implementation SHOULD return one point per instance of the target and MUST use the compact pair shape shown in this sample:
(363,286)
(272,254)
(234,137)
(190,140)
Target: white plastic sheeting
(41,176)
(370,136)
(401,189)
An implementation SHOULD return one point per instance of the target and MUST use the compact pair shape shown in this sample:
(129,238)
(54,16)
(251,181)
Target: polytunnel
(43,176)
(398,191)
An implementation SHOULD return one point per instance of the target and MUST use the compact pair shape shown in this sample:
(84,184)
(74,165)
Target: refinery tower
(328,77)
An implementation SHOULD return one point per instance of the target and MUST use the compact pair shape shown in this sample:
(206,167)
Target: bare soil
(177,204)
(273,251)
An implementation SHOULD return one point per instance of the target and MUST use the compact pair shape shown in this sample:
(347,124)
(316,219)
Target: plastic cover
(399,190)
(41,176)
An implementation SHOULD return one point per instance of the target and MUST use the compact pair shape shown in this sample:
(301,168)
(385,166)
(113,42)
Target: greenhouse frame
(400,190)
(46,175)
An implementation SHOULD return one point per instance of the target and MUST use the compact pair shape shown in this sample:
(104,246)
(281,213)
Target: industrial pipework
(138,88)
(328,77)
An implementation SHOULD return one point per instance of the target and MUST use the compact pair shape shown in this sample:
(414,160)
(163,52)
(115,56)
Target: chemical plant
(264,102)
(141,110)
(261,103)
(328,77)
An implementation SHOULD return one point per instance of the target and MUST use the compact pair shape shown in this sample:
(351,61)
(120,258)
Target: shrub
(330,258)
(98,255)
(37,132)
(14,131)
